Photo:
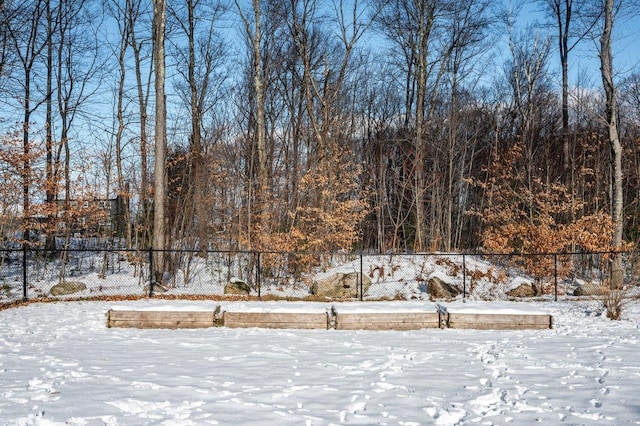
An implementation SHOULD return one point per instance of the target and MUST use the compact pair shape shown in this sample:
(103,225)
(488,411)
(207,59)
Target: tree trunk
(420,243)
(120,115)
(51,184)
(606,61)
(260,131)
(159,198)
(197,163)
(142,95)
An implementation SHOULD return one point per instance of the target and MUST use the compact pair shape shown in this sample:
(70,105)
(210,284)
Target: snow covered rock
(157,288)
(67,287)
(590,289)
(237,286)
(524,290)
(340,285)
(439,289)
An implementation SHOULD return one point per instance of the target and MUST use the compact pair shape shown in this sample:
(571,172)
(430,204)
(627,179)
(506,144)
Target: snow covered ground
(60,364)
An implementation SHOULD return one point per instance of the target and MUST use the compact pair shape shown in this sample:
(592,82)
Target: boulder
(237,286)
(67,287)
(590,289)
(157,288)
(438,289)
(340,285)
(524,290)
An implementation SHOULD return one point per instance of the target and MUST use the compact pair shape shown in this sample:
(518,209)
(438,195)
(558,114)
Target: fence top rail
(305,253)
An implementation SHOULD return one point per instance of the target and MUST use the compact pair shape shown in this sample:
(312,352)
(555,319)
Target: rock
(438,289)
(237,286)
(157,288)
(590,289)
(340,286)
(67,287)
(524,290)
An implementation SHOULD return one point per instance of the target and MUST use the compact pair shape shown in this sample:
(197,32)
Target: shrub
(614,302)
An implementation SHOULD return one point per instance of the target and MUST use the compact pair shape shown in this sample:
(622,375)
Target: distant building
(91,217)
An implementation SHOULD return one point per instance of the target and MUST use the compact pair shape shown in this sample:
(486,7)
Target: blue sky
(583,60)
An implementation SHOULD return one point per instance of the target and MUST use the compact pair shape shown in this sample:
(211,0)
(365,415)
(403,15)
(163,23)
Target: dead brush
(615,301)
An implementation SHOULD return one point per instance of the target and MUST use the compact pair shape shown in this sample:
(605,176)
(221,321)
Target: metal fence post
(555,275)
(151,278)
(24,272)
(464,277)
(258,274)
(360,279)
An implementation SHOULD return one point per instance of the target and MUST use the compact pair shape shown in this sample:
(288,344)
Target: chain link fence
(30,273)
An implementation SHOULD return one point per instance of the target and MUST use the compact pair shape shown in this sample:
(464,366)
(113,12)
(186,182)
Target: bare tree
(611,111)
(5,48)
(198,63)
(119,12)
(134,65)
(435,39)
(27,31)
(253,30)
(159,195)
(76,65)
(470,24)
(527,75)
(408,26)
(135,13)
(51,187)
(629,91)
(332,205)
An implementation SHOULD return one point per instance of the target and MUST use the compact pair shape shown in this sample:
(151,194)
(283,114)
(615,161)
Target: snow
(391,276)
(395,306)
(60,364)
(164,306)
(275,307)
(497,307)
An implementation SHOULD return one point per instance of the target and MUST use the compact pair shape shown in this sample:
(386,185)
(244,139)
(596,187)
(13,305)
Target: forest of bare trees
(308,125)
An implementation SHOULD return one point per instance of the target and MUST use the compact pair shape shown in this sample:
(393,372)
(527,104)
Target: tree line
(307,125)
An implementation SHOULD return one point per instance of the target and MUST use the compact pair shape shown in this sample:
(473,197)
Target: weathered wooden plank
(387,321)
(161,319)
(160,324)
(498,321)
(295,320)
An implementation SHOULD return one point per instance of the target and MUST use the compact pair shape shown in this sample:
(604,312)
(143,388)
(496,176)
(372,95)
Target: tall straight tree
(120,14)
(26,27)
(562,11)
(197,64)
(135,12)
(260,131)
(76,65)
(570,28)
(160,178)
(50,189)
(421,29)
(333,207)
(470,23)
(611,111)
(426,18)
